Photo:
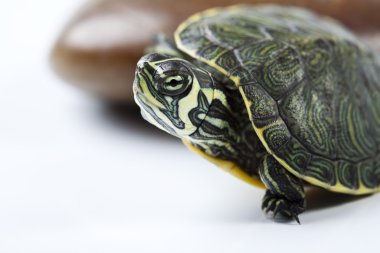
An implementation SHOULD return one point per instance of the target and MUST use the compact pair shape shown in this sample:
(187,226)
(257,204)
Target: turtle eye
(175,85)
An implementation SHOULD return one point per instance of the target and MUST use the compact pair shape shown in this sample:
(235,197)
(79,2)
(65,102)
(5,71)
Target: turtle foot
(282,209)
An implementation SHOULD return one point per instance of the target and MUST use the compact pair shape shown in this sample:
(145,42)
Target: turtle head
(173,93)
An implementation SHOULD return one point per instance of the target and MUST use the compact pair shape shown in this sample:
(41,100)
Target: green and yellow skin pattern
(277,96)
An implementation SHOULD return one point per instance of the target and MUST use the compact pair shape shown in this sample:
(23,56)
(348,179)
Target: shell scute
(311,89)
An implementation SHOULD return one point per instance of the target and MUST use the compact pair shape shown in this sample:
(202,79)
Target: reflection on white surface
(76,177)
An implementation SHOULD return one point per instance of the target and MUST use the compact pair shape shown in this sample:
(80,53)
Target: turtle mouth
(137,91)
(148,113)
(149,106)
(143,106)
(142,101)
(140,97)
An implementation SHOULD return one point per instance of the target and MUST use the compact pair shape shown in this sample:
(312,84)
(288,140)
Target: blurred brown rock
(99,47)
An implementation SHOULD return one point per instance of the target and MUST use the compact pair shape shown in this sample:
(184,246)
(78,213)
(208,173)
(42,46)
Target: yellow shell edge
(227,166)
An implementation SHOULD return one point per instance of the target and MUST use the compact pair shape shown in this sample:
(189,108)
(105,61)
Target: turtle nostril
(141,65)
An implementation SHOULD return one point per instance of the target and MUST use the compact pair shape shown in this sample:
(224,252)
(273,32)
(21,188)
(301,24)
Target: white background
(76,176)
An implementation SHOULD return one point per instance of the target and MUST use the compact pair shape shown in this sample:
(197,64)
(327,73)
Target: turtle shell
(312,90)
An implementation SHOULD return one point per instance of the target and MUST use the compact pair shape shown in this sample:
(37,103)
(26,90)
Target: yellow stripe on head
(173,94)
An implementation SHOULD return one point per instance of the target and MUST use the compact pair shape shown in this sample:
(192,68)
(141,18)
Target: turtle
(278,96)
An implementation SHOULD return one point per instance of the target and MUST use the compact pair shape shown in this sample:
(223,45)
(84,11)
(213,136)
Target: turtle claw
(295,217)
(278,207)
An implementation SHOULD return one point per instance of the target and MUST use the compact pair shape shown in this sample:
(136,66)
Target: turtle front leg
(285,195)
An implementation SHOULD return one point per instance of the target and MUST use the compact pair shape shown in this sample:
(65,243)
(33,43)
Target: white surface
(75,177)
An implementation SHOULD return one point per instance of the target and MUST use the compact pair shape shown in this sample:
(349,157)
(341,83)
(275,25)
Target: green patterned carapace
(278,96)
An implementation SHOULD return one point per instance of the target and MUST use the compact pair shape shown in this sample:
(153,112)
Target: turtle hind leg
(285,196)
